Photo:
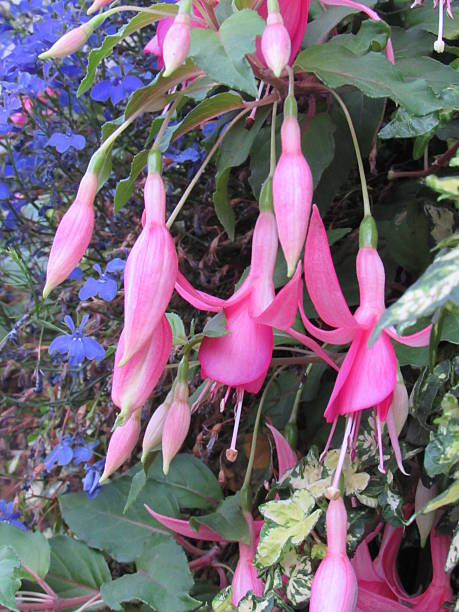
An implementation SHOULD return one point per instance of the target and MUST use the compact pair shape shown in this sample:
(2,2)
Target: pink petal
(342,335)
(295,15)
(282,310)
(320,276)
(198,299)
(286,457)
(370,600)
(385,563)
(372,278)
(313,345)
(420,338)
(183,527)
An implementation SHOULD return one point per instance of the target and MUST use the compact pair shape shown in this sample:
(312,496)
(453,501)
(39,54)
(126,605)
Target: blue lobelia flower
(8,516)
(76,345)
(91,484)
(105,286)
(83,452)
(62,454)
(62,142)
(116,265)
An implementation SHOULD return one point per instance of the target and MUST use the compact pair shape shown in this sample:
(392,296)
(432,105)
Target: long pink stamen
(379,434)
(203,393)
(224,399)
(327,445)
(342,453)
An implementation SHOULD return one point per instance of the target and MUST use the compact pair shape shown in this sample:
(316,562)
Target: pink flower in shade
(177,40)
(133,383)
(176,424)
(368,375)
(122,443)
(292,189)
(73,234)
(334,586)
(150,272)
(379,584)
(275,41)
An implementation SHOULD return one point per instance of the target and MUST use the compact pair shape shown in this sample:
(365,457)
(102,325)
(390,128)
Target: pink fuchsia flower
(151,268)
(73,234)
(368,375)
(292,189)
(177,40)
(177,421)
(133,383)
(154,431)
(73,40)
(122,443)
(295,16)
(275,41)
(334,586)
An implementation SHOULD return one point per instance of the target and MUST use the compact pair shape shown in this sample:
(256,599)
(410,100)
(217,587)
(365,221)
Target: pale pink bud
(150,273)
(275,44)
(177,43)
(122,443)
(74,40)
(176,425)
(335,585)
(73,234)
(154,431)
(96,5)
(424,521)
(133,383)
(292,192)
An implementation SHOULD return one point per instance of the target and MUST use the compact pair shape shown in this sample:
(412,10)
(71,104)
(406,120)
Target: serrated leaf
(75,569)
(179,336)
(438,284)
(32,548)
(138,22)
(163,579)
(216,326)
(228,520)
(10,580)
(222,54)
(223,209)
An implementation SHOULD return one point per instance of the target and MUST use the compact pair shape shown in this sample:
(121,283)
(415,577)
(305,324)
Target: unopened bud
(176,425)
(73,40)
(177,41)
(122,443)
(154,431)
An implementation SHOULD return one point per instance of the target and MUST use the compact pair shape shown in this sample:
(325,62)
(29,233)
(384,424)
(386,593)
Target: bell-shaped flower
(150,272)
(73,40)
(275,41)
(122,443)
(334,586)
(177,40)
(368,375)
(292,189)
(133,383)
(295,17)
(154,431)
(73,234)
(176,423)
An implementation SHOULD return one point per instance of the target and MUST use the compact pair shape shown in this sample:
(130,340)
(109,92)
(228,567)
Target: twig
(438,163)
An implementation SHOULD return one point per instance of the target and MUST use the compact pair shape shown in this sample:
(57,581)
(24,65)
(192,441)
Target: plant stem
(141,9)
(272,164)
(363,181)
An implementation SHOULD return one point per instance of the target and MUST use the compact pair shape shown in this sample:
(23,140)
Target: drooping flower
(8,515)
(122,443)
(76,345)
(105,286)
(73,40)
(177,40)
(292,189)
(176,423)
(275,41)
(334,586)
(368,375)
(154,431)
(151,268)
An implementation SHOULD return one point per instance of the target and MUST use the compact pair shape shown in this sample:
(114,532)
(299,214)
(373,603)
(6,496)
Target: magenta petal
(370,599)
(198,299)
(420,338)
(282,310)
(286,457)
(321,281)
(385,563)
(183,527)
(342,335)
(313,345)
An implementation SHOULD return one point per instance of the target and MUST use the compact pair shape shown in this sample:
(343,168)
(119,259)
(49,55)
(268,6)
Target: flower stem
(272,164)
(363,181)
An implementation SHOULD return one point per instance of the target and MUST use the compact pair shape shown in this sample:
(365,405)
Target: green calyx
(94,23)
(155,165)
(266,196)
(368,236)
(182,374)
(291,434)
(290,107)
(185,7)
(273,6)
(246,499)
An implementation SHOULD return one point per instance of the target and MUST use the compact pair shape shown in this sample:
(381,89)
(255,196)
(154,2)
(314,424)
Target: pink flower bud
(335,585)
(134,382)
(73,41)
(96,5)
(292,192)
(154,431)
(72,235)
(176,43)
(121,445)
(176,425)
(150,273)
(275,44)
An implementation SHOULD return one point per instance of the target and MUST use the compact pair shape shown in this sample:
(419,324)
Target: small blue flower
(62,142)
(76,345)
(8,516)
(116,265)
(105,286)
(75,274)
(91,484)
(117,88)
(62,454)
(83,452)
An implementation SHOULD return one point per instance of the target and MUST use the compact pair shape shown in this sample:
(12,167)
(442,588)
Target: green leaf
(100,522)
(410,43)
(189,481)
(139,480)
(125,187)
(442,452)
(75,569)
(336,65)
(426,18)
(443,79)
(222,54)
(324,23)
(223,209)
(162,581)
(216,326)
(236,147)
(450,496)
(138,22)
(10,580)
(208,109)
(438,285)
(32,548)
(404,125)
(179,336)
(228,520)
